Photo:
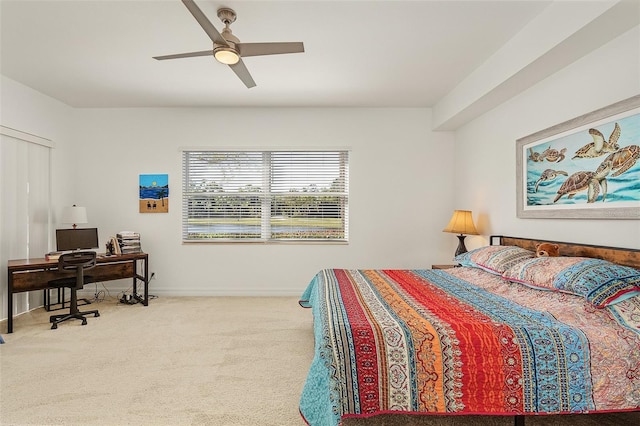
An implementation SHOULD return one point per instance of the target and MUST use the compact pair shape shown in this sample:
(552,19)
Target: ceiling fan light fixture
(227,48)
(226,55)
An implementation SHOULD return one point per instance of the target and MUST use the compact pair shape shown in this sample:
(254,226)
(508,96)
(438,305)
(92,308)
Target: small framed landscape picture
(154,193)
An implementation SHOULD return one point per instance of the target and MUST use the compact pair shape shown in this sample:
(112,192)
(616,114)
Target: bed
(505,333)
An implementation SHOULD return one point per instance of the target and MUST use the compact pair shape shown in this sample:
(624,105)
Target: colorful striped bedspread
(429,341)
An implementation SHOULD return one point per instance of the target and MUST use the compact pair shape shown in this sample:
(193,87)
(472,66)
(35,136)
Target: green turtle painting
(534,156)
(550,154)
(548,175)
(553,155)
(600,145)
(591,181)
(618,162)
(622,160)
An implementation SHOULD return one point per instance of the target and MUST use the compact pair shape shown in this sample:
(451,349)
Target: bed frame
(621,256)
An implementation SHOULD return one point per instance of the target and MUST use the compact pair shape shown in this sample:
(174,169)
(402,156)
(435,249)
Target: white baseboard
(250,292)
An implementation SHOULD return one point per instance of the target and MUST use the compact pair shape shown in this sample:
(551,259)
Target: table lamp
(74,215)
(461,223)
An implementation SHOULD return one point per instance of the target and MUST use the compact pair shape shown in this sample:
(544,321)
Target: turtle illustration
(553,155)
(599,146)
(549,174)
(621,160)
(591,181)
(535,156)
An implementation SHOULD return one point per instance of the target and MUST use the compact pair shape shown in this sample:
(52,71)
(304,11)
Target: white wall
(485,148)
(28,111)
(400,186)
(396,160)
(24,109)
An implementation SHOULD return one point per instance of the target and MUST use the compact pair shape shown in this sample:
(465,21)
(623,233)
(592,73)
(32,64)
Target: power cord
(100,295)
(128,298)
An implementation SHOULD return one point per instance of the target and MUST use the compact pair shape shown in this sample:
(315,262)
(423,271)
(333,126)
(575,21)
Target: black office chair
(79,262)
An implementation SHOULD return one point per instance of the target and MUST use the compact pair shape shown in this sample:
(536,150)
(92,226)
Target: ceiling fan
(227,49)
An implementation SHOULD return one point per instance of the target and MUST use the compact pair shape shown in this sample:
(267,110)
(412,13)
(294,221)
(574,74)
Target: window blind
(265,196)
(25,204)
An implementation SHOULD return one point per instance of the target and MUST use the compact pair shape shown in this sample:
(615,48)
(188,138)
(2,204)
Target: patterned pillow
(600,282)
(494,259)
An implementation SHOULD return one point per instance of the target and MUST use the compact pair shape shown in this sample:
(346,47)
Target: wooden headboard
(621,256)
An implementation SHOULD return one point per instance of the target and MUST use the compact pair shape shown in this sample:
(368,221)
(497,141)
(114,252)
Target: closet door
(24,209)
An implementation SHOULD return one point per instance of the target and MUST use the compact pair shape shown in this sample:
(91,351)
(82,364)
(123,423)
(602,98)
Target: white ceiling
(98,53)
(89,53)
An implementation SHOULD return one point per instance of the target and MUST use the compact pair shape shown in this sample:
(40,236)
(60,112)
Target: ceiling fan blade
(243,73)
(185,55)
(204,22)
(258,49)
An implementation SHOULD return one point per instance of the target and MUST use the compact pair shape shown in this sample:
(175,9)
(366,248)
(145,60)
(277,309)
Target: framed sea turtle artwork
(154,193)
(584,168)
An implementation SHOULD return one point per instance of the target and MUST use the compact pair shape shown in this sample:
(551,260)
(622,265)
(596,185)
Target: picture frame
(585,168)
(153,193)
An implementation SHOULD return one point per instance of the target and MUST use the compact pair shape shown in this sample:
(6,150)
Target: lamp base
(461,247)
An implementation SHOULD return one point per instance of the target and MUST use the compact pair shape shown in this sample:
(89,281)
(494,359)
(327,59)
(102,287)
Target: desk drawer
(113,271)
(37,280)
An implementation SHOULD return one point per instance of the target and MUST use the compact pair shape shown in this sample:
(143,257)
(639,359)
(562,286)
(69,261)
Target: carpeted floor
(182,361)
(179,361)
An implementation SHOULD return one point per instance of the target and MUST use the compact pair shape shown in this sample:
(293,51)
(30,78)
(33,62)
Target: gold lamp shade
(461,223)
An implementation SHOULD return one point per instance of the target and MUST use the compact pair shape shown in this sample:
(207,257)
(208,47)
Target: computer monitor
(77,239)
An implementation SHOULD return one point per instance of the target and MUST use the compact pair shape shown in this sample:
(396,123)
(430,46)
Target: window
(265,196)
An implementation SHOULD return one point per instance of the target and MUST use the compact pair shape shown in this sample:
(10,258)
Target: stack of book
(54,255)
(129,242)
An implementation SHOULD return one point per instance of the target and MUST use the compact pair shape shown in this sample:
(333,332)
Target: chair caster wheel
(84,322)
(97,315)
(54,326)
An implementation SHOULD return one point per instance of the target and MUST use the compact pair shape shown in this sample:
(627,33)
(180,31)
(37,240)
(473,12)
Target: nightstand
(443,266)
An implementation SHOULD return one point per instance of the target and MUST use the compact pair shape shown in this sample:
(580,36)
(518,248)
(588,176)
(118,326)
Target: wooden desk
(34,274)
